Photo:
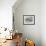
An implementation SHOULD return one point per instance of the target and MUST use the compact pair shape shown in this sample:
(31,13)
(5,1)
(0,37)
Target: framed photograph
(28,19)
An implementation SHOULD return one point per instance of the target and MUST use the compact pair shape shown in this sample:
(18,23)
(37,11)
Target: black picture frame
(28,19)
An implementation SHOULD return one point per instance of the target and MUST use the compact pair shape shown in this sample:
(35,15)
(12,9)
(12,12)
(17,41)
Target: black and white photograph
(29,19)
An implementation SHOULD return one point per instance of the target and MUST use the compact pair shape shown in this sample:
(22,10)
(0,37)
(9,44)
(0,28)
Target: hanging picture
(28,19)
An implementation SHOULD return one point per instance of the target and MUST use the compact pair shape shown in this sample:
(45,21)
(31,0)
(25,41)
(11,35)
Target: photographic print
(29,19)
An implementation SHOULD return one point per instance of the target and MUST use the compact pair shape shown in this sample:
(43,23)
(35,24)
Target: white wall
(43,22)
(34,32)
(6,13)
